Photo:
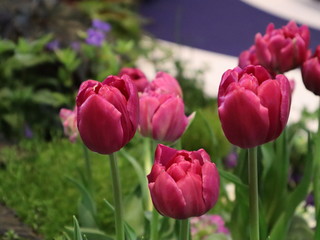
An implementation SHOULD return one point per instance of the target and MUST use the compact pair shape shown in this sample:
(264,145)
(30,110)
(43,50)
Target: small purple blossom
(75,46)
(231,160)
(101,25)
(309,200)
(53,45)
(95,37)
(27,131)
(206,225)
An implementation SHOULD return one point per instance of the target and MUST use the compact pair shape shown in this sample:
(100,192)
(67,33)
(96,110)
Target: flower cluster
(97,33)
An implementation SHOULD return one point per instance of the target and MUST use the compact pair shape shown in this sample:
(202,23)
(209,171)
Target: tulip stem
(253,194)
(154,231)
(316,177)
(184,229)
(87,166)
(116,186)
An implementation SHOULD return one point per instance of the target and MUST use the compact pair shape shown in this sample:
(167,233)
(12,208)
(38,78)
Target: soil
(9,221)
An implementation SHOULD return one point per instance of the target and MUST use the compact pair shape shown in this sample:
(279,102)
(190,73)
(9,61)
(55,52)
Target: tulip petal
(169,121)
(167,197)
(244,120)
(164,154)
(270,97)
(211,184)
(191,187)
(148,106)
(99,124)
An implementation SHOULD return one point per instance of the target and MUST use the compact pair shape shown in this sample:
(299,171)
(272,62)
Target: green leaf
(44,96)
(281,226)
(140,174)
(91,233)
(68,58)
(234,179)
(87,207)
(77,232)
(6,45)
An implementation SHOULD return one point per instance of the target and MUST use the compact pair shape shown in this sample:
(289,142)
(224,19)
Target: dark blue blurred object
(223,26)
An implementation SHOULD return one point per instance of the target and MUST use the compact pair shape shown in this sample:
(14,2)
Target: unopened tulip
(107,113)
(137,76)
(164,83)
(281,50)
(311,73)
(183,184)
(253,108)
(69,121)
(162,116)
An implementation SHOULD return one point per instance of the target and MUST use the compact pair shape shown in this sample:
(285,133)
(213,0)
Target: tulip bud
(164,83)
(69,121)
(137,76)
(253,108)
(162,116)
(311,73)
(183,184)
(107,113)
(281,50)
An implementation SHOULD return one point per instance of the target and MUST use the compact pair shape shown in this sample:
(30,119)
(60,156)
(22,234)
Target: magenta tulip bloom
(281,50)
(248,57)
(253,108)
(108,113)
(137,76)
(183,184)
(164,83)
(162,116)
(69,121)
(311,73)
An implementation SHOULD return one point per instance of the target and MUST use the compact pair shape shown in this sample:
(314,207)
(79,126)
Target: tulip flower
(107,114)
(311,72)
(162,116)
(253,108)
(164,83)
(137,76)
(69,121)
(183,184)
(281,50)
(248,57)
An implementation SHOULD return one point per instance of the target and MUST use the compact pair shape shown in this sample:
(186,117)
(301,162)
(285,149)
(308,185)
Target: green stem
(184,229)
(87,166)
(116,186)
(253,194)
(316,179)
(154,235)
(154,228)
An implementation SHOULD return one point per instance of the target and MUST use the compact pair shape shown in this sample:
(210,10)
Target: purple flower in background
(101,25)
(53,45)
(95,37)
(27,131)
(207,225)
(75,46)
(231,160)
(309,200)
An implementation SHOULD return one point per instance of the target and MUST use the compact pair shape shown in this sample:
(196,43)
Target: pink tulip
(183,184)
(69,121)
(137,76)
(281,50)
(311,73)
(164,83)
(162,116)
(248,57)
(253,108)
(107,113)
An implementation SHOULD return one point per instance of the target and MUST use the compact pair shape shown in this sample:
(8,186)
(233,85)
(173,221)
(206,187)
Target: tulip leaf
(87,233)
(140,173)
(77,232)
(294,199)
(234,179)
(87,208)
